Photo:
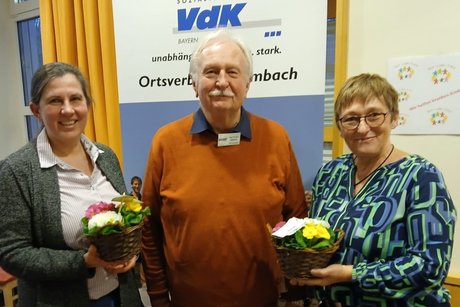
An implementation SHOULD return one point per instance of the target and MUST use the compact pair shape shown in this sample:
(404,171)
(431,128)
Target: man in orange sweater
(214,179)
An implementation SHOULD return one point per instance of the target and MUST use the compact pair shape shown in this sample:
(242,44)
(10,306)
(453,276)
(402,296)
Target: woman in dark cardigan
(45,189)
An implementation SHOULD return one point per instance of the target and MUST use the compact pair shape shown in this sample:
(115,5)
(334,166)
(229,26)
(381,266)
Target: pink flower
(278,226)
(98,208)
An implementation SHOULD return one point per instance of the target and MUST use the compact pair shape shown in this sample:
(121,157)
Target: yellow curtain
(80,32)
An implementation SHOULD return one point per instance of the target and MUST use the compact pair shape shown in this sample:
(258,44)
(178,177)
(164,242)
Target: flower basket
(119,246)
(115,228)
(304,244)
(297,263)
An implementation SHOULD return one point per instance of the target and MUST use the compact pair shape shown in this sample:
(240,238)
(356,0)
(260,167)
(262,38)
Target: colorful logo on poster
(405,72)
(438,118)
(441,75)
(403,95)
(402,120)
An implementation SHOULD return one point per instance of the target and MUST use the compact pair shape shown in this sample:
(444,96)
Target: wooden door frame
(338,10)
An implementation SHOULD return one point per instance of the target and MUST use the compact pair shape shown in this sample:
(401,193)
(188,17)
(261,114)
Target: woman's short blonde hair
(364,87)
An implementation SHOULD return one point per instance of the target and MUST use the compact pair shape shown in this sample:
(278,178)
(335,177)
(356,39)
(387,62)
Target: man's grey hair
(220,35)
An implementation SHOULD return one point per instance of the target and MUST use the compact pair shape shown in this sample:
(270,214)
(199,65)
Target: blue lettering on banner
(208,19)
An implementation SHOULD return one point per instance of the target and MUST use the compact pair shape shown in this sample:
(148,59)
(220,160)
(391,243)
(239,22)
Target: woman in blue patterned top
(397,214)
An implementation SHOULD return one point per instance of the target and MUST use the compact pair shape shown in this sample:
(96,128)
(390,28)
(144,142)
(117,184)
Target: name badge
(228,139)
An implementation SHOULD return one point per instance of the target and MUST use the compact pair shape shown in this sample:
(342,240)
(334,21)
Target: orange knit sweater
(206,242)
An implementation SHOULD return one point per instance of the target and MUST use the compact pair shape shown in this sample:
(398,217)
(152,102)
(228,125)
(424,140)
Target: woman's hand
(335,273)
(92,260)
(120,267)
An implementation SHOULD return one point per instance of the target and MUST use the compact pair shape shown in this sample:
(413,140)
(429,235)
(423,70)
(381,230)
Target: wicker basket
(119,246)
(297,263)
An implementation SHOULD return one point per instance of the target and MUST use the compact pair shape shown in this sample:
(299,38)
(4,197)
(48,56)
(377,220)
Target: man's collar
(200,124)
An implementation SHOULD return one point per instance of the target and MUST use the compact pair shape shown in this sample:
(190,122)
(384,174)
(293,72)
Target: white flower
(291,226)
(315,221)
(105,218)
(294,224)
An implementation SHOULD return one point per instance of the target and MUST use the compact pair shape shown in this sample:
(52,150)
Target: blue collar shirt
(200,124)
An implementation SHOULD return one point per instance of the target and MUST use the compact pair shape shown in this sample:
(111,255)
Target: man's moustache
(217,92)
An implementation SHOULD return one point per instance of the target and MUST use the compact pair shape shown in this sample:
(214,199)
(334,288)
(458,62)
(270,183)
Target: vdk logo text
(217,16)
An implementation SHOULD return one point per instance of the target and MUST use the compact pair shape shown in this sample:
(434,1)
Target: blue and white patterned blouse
(399,231)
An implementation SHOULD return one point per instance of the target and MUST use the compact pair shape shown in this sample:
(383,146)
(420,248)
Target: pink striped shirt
(77,192)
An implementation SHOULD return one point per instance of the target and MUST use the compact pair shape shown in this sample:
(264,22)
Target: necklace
(377,168)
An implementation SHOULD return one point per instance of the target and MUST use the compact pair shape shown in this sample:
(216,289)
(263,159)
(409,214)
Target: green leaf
(110,229)
(300,238)
(321,244)
(133,219)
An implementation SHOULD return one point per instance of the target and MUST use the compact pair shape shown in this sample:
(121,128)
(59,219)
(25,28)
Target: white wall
(13,133)
(380,30)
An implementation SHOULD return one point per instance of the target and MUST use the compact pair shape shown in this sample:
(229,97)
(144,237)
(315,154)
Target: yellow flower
(322,232)
(133,205)
(311,231)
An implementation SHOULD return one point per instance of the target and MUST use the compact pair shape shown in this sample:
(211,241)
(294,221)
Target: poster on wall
(154,41)
(428,94)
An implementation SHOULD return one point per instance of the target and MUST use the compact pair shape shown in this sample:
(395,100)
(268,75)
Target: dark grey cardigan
(32,245)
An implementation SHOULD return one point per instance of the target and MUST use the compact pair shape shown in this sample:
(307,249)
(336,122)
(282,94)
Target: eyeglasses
(373,120)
